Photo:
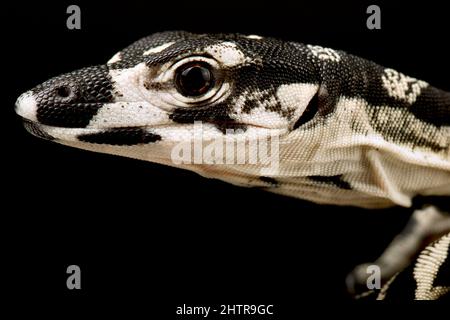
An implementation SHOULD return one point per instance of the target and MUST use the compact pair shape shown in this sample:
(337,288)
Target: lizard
(342,130)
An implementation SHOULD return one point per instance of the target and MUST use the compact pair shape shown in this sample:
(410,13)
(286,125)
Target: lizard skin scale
(349,131)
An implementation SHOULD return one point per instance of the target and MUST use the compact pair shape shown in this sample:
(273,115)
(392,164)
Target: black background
(157,236)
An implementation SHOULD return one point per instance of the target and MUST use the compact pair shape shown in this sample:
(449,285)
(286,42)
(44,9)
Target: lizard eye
(194,78)
(193,81)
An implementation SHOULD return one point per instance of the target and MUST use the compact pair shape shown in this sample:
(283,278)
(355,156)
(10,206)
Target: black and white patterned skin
(350,132)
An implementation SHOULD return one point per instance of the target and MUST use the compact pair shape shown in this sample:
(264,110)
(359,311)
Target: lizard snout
(26,106)
(69,100)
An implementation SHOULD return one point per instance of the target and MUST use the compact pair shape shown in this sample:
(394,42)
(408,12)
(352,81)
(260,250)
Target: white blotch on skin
(226,53)
(325,54)
(254,36)
(26,106)
(402,87)
(296,96)
(129,83)
(158,48)
(128,114)
(292,98)
(116,58)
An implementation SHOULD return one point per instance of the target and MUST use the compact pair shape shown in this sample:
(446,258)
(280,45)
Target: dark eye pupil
(194,79)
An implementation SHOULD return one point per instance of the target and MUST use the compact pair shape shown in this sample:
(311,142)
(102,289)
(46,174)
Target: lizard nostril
(63,91)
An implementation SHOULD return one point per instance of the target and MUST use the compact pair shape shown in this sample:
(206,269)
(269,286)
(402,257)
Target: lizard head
(152,95)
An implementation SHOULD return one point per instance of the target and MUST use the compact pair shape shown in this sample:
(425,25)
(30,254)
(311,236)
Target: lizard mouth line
(118,136)
(43,130)
(60,133)
(36,129)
